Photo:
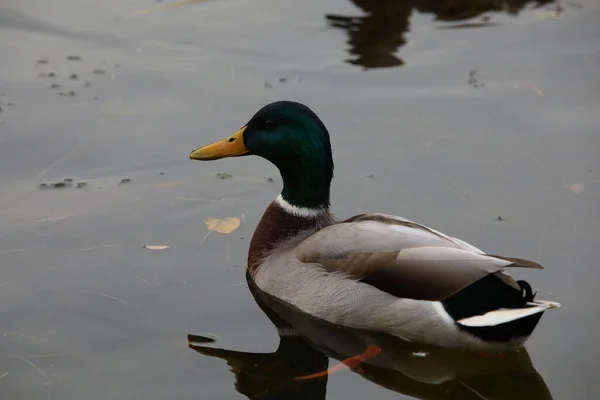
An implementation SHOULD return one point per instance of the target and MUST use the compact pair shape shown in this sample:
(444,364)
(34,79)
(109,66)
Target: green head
(293,138)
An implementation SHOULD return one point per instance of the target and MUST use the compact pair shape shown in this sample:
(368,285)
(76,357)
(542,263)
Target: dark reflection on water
(267,375)
(375,37)
(416,370)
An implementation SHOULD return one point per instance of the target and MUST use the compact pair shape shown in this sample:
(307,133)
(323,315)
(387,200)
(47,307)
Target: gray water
(478,118)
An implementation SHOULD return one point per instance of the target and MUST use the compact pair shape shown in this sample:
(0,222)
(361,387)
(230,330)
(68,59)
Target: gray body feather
(325,274)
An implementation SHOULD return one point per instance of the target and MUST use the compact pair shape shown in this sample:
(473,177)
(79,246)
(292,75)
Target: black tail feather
(489,294)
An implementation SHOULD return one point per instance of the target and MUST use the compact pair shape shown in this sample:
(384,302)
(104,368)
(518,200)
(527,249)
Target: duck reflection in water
(298,369)
(375,37)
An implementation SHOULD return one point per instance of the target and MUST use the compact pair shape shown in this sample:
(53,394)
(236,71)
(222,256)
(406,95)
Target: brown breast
(276,226)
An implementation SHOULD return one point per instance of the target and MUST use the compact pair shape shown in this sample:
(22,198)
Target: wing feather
(401,257)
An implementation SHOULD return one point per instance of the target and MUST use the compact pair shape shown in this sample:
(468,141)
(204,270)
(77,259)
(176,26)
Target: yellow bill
(233,146)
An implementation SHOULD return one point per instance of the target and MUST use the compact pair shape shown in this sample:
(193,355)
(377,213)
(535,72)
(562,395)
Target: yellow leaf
(225,225)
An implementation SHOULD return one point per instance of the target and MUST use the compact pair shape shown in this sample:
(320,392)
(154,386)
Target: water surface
(449,113)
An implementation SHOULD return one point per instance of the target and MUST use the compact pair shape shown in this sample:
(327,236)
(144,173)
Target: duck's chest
(278,230)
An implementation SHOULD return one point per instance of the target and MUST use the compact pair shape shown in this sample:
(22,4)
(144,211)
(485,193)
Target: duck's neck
(281,222)
(306,184)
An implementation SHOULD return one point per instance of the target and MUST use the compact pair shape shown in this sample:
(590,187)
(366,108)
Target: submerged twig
(235,285)
(41,355)
(169,5)
(476,393)
(89,248)
(51,219)
(170,281)
(10,250)
(45,170)
(105,295)
(20,335)
(41,371)
(200,199)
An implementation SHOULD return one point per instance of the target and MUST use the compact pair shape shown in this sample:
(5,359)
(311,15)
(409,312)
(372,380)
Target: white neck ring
(303,212)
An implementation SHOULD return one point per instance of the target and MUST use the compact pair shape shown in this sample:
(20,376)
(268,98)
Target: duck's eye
(269,124)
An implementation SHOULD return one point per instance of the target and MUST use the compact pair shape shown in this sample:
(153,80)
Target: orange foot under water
(352,362)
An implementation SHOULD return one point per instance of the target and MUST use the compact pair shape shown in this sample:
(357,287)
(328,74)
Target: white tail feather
(505,315)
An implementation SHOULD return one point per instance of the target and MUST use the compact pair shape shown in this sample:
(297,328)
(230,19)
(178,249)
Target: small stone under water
(125,181)
(56,185)
(65,183)
(223,175)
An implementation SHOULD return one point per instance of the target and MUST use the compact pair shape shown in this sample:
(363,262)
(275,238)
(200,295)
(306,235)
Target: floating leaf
(225,225)
(576,188)
(156,247)
(529,86)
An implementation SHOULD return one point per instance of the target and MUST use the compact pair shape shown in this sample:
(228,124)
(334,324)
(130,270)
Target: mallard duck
(372,271)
